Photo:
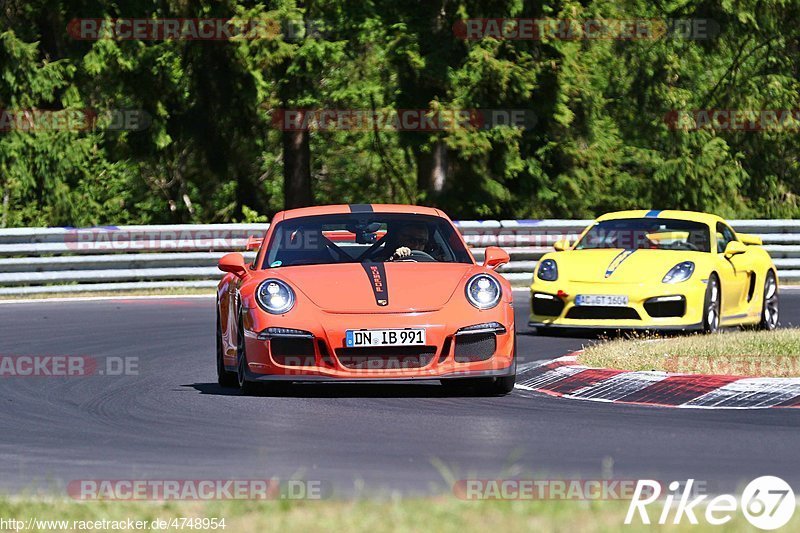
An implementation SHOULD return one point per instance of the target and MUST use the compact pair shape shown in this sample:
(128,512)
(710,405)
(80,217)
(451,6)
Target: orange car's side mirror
(233,263)
(494,257)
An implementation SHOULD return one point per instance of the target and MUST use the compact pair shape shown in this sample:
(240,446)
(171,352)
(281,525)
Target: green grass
(743,353)
(445,514)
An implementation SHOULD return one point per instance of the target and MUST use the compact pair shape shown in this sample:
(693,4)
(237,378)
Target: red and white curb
(563,377)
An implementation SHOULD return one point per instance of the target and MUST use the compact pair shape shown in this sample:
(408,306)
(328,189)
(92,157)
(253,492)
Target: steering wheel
(418,256)
(370,250)
(686,245)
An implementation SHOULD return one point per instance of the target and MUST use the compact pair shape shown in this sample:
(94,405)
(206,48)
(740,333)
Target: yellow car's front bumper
(661,306)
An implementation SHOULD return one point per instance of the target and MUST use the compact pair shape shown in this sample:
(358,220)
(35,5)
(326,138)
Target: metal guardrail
(64,260)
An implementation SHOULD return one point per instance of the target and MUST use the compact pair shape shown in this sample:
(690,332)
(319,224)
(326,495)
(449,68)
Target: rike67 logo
(767,502)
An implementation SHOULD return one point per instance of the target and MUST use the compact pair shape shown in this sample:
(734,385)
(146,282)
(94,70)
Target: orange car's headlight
(483,291)
(274,296)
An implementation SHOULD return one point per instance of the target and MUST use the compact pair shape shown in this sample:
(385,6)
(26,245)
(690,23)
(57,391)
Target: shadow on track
(430,389)
(607,334)
(562,333)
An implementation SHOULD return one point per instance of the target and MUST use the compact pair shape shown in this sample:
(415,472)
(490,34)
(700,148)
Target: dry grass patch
(740,353)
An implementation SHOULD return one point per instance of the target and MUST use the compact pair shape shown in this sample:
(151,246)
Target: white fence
(52,260)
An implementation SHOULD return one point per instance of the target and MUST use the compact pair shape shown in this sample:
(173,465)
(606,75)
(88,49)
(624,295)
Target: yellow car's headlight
(680,272)
(548,270)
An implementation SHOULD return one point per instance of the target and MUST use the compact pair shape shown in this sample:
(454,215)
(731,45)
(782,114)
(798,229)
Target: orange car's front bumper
(316,349)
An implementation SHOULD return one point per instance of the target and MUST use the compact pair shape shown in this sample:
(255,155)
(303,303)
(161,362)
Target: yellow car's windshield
(647,233)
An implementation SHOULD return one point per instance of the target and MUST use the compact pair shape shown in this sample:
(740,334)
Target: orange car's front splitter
(450,351)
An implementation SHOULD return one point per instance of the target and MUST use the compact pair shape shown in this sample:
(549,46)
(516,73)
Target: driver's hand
(401,253)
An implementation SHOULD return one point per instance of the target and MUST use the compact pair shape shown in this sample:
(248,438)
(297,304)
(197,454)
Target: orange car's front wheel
(248,388)
(224,377)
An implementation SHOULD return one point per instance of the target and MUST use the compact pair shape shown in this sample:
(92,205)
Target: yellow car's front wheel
(711,307)
(769,309)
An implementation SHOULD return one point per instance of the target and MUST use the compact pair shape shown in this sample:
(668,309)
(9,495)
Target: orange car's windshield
(647,233)
(364,237)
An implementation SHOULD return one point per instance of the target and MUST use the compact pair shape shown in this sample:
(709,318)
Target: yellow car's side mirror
(561,245)
(734,248)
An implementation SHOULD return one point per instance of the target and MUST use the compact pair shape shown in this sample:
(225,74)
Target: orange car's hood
(351,287)
(614,265)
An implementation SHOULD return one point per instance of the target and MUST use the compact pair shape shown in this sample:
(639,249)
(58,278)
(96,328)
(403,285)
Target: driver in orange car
(401,240)
(408,237)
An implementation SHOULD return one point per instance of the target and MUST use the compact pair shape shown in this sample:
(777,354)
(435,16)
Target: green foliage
(210,151)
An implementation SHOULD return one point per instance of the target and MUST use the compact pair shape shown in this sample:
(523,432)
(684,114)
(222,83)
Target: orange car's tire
(711,305)
(248,388)
(504,385)
(769,308)
(224,377)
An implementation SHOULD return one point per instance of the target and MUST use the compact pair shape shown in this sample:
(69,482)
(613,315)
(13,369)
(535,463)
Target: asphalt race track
(172,421)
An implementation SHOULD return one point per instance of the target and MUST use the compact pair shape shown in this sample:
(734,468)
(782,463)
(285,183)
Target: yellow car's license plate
(604,300)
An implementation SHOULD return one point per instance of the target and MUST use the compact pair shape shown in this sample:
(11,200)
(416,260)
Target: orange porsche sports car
(365,292)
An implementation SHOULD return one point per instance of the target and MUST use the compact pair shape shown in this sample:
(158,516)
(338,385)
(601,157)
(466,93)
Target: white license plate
(355,338)
(605,300)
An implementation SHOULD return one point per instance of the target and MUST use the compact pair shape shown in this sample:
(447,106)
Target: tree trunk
(432,171)
(6,194)
(296,169)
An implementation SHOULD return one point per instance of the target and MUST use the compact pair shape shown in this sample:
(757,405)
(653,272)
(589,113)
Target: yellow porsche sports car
(656,270)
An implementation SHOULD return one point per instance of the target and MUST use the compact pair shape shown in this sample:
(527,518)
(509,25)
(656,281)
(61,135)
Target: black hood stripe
(376,273)
(361,208)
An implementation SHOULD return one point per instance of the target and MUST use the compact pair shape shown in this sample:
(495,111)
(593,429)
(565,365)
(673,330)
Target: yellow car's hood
(615,265)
